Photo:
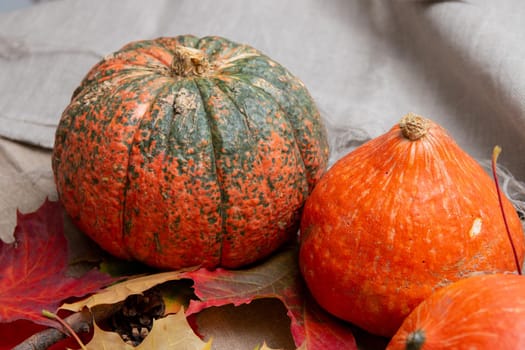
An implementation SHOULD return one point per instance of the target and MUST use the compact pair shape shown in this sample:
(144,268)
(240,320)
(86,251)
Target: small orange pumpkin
(399,217)
(480,312)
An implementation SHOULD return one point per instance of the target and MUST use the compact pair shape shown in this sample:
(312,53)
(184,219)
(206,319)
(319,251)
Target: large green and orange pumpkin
(189,151)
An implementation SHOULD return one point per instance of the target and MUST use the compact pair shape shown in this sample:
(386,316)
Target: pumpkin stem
(495,154)
(415,340)
(413,126)
(188,62)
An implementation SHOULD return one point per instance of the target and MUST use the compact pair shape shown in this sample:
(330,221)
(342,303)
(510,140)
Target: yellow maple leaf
(173,332)
(118,292)
(264,347)
(170,332)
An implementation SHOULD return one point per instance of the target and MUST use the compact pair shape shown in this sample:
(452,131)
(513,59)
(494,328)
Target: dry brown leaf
(173,332)
(265,347)
(170,332)
(120,291)
(277,277)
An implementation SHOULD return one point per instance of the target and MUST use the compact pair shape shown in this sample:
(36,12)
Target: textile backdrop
(366,63)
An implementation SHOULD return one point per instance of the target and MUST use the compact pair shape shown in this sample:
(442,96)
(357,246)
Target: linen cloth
(366,63)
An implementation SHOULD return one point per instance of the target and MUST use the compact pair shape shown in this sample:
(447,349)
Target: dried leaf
(176,295)
(278,278)
(170,332)
(120,291)
(33,269)
(173,332)
(265,347)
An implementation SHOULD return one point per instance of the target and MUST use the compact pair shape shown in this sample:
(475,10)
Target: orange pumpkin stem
(413,126)
(188,62)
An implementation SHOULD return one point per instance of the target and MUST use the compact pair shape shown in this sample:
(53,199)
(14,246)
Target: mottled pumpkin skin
(396,219)
(176,171)
(480,312)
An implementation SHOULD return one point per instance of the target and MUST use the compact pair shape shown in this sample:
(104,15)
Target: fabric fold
(365,63)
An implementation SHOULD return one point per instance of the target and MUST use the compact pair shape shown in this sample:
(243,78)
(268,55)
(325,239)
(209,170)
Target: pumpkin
(480,312)
(188,151)
(397,218)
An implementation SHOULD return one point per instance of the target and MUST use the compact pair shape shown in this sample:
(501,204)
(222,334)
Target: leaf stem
(60,320)
(495,154)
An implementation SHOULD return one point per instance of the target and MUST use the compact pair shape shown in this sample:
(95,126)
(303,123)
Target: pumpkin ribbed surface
(398,218)
(185,151)
(479,312)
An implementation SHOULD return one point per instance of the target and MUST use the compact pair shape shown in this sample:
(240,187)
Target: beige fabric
(365,62)
(25,181)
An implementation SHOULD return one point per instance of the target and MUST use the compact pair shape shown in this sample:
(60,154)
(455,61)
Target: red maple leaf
(33,269)
(276,278)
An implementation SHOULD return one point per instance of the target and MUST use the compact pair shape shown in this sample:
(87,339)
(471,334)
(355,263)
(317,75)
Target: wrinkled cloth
(366,64)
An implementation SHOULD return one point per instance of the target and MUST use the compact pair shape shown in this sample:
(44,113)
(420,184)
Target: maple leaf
(263,346)
(33,269)
(279,278)
(170,332)
(120,291)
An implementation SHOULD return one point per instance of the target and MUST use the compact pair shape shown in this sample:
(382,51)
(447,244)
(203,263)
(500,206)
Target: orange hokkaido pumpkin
(399,217)
(481,312)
